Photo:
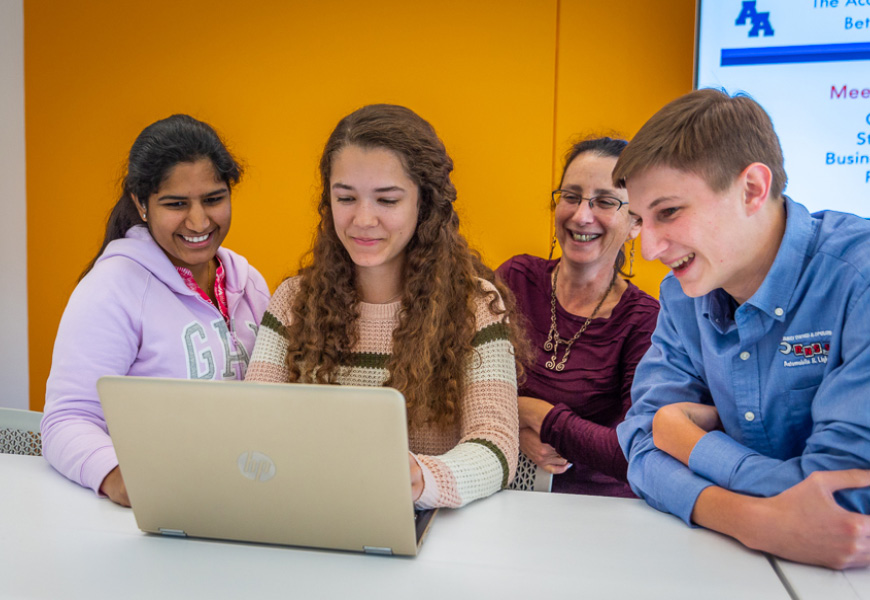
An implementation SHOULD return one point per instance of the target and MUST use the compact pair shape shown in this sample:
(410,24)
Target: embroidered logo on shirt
(807,348)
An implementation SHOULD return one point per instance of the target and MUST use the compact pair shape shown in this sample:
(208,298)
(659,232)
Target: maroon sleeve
(582,441)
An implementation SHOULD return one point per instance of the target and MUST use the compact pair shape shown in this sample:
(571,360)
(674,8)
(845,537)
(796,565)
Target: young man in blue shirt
(751,411)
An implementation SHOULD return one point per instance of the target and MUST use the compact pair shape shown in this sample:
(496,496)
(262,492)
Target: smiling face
(706,237)
(189,215)
(374,208)
(592,237)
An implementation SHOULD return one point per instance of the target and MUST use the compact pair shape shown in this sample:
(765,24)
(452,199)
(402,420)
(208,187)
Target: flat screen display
(807,62)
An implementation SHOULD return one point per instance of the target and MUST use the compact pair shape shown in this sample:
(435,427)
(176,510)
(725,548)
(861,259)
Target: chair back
(530,477)
(19,432)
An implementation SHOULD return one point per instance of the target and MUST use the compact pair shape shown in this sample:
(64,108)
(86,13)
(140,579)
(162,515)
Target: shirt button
(744,355)
(778,311)
(749,416)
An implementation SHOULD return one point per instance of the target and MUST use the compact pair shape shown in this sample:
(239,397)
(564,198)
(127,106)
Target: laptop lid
(305,465)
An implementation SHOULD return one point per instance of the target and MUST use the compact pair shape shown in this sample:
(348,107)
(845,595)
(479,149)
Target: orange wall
(619,62)
(505,83)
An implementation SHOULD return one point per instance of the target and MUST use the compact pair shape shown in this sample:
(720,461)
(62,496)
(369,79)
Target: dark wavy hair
(601,146)
(161,146)
(441,276)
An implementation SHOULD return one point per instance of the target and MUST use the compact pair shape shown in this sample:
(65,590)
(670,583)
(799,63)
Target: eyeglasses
(602,204)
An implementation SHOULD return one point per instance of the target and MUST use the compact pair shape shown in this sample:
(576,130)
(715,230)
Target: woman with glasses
(588,326)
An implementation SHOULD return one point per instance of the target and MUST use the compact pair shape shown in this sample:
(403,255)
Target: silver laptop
(304,465)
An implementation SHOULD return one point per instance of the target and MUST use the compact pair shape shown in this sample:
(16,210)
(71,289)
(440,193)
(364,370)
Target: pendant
(548,345)
(551,364)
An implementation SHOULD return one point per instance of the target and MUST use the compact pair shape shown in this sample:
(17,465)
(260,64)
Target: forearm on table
(469,471)
(82,452)
(735,515)
(75,440)
(581,441)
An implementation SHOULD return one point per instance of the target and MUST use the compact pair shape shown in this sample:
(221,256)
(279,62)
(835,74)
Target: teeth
(195,240)
(683,260)
(584,237)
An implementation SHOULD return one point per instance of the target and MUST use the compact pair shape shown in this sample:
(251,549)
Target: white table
(811,583)
(58,540)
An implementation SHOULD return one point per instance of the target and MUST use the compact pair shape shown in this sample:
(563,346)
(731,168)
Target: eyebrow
(658,201)
(595,192)
(380,190)
(222,190)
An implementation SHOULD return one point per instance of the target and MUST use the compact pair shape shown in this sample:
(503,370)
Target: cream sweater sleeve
(485,459)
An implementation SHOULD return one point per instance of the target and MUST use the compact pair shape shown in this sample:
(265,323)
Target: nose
(364,215)
(652,243)
(197,217)
(583,213)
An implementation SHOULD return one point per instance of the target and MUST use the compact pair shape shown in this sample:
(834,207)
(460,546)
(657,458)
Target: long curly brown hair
(441,277)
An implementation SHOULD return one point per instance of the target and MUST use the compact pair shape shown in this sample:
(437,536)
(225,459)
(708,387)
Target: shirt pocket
(798,419)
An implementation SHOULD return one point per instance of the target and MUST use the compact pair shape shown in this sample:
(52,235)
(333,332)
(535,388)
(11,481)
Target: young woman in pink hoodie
(162,298)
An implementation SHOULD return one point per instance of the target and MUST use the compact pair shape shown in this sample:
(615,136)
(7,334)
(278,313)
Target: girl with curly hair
(391,295)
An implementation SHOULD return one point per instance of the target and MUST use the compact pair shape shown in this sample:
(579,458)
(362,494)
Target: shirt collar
(718,307)
(775,294)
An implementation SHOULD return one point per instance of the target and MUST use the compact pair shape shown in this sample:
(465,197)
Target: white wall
(14,386)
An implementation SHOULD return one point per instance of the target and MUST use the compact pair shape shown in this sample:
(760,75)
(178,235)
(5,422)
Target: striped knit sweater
(471,459)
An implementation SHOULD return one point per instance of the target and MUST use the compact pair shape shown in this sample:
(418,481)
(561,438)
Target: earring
(552,247)
(631,259)
(145,216)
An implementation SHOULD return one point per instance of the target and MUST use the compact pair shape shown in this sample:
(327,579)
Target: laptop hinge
(377,550)
(172,532)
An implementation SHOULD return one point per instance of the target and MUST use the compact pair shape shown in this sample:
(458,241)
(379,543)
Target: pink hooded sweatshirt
(134,315)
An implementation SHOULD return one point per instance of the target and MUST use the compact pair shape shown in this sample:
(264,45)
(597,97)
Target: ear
(755,180)
(634,231)
(140,208)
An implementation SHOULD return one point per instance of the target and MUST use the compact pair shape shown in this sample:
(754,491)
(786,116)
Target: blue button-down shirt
(788,371)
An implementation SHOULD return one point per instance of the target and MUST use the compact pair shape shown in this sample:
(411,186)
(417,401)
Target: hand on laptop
(113,487)
(416,478)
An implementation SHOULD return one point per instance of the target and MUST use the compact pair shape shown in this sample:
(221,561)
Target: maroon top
(593,393)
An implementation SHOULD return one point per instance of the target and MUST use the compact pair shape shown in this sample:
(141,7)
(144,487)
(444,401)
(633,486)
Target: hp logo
(256,466)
